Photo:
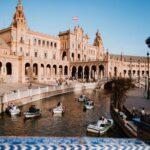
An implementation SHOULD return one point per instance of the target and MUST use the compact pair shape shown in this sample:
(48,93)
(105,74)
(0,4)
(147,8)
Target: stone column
(76,74)
(45,74)
(62,71)
(89,73)
(39,72)
(83,74)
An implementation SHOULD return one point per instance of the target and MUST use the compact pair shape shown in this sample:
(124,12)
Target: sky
(124,24)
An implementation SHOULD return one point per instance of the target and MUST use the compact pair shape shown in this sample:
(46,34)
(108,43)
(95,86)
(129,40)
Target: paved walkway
(11,87)
(136,98)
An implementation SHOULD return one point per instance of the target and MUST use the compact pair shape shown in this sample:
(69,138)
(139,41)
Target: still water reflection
(72,123)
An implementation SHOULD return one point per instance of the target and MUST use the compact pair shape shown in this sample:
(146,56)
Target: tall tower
(99,46)
(19,31)
(98,40)
(19,19)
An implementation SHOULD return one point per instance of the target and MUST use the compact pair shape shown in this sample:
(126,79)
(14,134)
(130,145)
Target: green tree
(119,89)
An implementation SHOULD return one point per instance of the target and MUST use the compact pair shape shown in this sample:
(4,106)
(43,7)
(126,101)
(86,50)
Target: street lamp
(139,72)
(131,68)
(148,44)
(148,94)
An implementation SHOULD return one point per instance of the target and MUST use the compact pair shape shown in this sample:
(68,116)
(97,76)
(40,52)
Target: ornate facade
(45,58)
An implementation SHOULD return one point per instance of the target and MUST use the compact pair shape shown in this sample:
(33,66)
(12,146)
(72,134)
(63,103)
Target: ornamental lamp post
(130,68)
(148,44)
(148,94)
(139,72)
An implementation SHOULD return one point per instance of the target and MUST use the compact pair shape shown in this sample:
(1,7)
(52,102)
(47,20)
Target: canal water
(72,123)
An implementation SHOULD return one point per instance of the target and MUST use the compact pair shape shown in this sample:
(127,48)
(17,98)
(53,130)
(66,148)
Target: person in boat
(81,96)
(59,105)
(102,120)
(91,102)
(33,109)
(11,106)
(99,122)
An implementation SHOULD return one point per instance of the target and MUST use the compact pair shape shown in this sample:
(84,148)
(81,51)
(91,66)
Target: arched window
(42,69)
(60,70)
(43,43)
(21,40)
(55,45)
(27,69)
(72,55)
(39,42)
(79,57)
(47,43)
(9,69)
(66,70)
(54,69)
(34,41)
(35,69)
(64,56)
(48,70)
(51,44)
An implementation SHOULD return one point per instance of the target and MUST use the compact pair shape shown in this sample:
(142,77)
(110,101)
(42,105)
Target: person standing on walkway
(133,111)
(143,112)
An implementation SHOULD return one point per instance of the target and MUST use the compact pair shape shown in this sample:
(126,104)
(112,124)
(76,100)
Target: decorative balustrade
(7,97)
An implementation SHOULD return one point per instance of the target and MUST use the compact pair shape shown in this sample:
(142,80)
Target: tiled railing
(71,143)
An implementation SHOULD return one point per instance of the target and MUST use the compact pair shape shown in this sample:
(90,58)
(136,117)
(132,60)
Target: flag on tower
(75,18)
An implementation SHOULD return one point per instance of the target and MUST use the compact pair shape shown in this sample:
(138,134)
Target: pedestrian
(133,111)
(143,112)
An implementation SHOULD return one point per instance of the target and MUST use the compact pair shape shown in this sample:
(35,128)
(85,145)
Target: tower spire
(19,17)
(19,2)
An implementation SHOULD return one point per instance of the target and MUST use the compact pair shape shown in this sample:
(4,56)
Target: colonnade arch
(42,69)
(54,70)
(80,72)
(134,73)
(101,71)
(27,69)
(48,70)
(74,70)
(35,69)
(87,72)
(42,72)
(60,70)
(93,72)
